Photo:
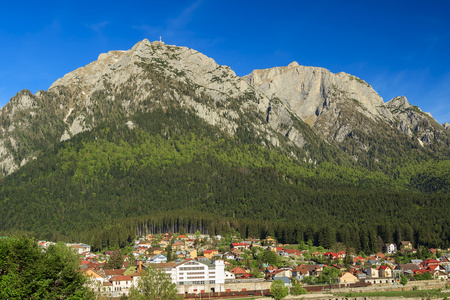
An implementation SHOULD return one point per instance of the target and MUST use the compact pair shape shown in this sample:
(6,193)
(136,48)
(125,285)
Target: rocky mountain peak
(446,126)
(308,90)
(399,102)
(273,102)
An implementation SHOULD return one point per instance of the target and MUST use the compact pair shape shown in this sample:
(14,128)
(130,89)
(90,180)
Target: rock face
(274,103)
(307,91)
(414,123)
(446,126)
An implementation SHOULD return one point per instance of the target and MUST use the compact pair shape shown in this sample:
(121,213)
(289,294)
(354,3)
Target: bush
(278,290)
(298,290)
(403,280)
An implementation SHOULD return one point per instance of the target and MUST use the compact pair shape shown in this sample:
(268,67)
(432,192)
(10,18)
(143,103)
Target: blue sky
(399,47)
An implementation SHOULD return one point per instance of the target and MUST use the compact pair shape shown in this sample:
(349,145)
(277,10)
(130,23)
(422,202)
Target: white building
(192,276)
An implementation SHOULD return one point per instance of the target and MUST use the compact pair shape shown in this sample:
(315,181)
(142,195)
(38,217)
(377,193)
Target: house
(417,262)
(314,270)
(283,273)
(210,253)
(192,253)
(439,274)
(391,248)
(372,272)
(300,272)
(229,275)
(110,273)
(145,244)
(95,280)
(406,246)
(106,289)
(374,262)
(286,281)
(163,244)
(157,259)
(121,284)
(331,255)
(238,272)
(407,267)
(385,271)
(76,248)
(180,254)
(269,241)
(429,262)
(293,252)
(229,255)
(178,245)
(444,260)
(348,278)
(240,246)
(154,250)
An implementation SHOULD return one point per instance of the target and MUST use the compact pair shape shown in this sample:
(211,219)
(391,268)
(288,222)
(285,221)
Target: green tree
(115,261)
(154,285)
(403,279)
(182,231)
(278,290)
(169,252)
(28,273)
(271,258)
(298,290)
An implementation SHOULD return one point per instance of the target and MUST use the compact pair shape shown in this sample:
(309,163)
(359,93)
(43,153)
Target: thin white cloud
(183,19)
(175,27)
(98,27)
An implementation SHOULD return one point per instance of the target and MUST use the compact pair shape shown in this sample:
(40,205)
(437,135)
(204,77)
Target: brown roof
(311,268)
(114,272)
(407,266)
(301,269)
(121,278)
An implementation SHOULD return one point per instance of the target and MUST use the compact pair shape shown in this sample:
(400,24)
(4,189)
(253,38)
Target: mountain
(339,108)
(159,128)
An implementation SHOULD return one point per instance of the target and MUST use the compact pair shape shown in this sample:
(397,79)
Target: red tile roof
(237,271)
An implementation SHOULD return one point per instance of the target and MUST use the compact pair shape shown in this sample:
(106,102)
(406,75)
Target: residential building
(192,276)
(391,248)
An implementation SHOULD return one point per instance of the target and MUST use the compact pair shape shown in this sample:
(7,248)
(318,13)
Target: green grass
(418,294)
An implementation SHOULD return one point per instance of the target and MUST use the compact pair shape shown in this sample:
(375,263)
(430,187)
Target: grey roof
(284,279)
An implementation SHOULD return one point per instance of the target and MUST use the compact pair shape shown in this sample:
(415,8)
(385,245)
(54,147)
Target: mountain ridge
(273,101)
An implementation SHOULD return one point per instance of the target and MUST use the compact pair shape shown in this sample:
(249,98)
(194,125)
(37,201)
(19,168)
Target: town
(217,266)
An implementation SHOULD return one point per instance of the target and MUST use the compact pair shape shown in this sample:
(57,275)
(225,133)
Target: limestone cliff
(273,104)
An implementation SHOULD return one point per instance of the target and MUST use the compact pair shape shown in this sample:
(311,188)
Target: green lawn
(418,294)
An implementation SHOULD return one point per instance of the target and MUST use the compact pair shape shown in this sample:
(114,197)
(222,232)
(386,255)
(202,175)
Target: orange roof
(210,251)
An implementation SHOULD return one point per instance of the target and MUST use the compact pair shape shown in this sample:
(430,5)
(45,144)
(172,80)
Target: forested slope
(172,169)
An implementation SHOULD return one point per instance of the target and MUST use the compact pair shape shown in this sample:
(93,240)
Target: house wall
(420,285)
(232,287)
